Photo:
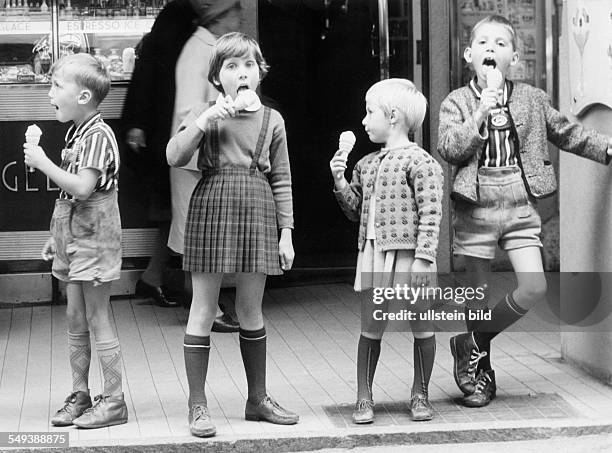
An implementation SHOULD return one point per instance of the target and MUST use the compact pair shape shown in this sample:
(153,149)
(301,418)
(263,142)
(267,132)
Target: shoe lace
(364,405)
(199,412)
(481,383)
(71,399)
(419,402)
(475,357)
(96,402)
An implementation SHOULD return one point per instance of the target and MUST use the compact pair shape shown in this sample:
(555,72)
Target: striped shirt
(499,150)
(92,145)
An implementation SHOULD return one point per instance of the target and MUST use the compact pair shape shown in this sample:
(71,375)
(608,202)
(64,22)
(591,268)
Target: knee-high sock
(79,346)
(424,355)
(196,351)
(368,351)
(109,354)
(253,350)
(505,313)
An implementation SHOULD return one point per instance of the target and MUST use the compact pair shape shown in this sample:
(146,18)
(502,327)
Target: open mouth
(489,61)
(242,87)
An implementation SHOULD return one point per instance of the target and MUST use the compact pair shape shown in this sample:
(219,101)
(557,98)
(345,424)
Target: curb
(347,439)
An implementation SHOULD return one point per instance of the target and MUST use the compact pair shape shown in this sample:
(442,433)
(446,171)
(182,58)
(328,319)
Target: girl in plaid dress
(244,196)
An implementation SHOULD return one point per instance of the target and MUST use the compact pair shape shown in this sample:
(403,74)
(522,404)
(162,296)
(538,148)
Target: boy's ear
(515,58)
(84,97)
(467,55)
(393,116)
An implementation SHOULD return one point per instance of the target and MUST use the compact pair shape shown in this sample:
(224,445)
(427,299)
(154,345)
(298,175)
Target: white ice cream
(33,134)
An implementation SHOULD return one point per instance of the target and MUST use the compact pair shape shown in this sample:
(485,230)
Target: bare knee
(248,313)
(77,321)
(534,290)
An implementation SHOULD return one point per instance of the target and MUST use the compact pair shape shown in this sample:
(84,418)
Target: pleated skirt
(231,224)
(384,269)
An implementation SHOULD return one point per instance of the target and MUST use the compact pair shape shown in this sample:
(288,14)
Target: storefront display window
(33,34)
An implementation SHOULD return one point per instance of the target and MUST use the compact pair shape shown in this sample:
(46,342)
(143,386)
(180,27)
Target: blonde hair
(88,72)
(401,95)
(498,20)
(230,45)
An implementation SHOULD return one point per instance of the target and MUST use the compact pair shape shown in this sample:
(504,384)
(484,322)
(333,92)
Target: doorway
(323,56)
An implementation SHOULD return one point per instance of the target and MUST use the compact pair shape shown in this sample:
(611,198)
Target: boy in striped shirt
(85,242)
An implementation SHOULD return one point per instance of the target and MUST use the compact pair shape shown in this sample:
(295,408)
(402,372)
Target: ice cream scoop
(245,99)
(345,146)
(346,142)
(32,136)
(495,79)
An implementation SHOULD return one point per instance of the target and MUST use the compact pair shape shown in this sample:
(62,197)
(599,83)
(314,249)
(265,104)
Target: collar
(251,108)
(473,84)
(204,35)
(76,132)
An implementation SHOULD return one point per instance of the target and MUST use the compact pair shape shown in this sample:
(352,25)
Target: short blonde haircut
(497,20)
(401,95)
(88,72)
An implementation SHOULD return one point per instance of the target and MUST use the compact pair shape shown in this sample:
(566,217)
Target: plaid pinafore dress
(231,223)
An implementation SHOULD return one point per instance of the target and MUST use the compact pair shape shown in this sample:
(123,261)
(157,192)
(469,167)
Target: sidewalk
(312,343)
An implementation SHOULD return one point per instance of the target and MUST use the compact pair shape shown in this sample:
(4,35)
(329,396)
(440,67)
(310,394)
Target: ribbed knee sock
(505,313)
(424,355)
(253,350)
(196,351)
(368,351)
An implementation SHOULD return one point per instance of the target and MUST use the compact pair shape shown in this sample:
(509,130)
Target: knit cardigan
(408,190)
(534,122)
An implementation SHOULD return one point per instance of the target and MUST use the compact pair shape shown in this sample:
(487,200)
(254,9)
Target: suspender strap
(261,139)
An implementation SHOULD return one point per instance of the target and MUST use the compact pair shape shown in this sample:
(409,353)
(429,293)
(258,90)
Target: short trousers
(504,216)
(87,237)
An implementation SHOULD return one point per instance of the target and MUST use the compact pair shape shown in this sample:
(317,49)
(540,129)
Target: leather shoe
(107,411)
(364,412)
(269,410)
(225,324)
(485,390)
(74,406)
(420,408)
(143,289)
(466,355)
(200,424)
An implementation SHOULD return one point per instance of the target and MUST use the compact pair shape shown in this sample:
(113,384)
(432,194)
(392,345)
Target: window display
(108,29)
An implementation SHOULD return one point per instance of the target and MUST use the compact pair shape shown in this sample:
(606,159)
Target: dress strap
(213,130)
(261,139)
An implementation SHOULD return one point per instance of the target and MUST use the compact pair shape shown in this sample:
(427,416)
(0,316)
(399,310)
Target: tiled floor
(312,338)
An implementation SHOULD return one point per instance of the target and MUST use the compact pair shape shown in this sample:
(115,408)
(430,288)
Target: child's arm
(573,137)
(427,180)
(349,196)
(48,250)
(181,147)
(279,179)
(461,134)
(80,185)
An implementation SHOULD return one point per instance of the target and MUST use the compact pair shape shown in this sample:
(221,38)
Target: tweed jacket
(534,122)
(408,185)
